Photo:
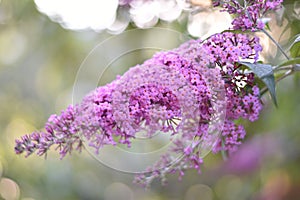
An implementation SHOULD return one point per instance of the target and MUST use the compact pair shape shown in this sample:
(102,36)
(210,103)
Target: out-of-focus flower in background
(208,22)
(252,154)
(114,16)
(80,14)
(146,14)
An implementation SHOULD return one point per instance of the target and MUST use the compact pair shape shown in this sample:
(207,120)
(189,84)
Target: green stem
(288,73)
(276,43)
(269,36)
(223,152)
(276,69)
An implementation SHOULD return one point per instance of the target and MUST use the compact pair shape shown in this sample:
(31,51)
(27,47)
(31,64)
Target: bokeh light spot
(80,14)
(199,192)
(13,45)
(118,191)
(229,187)
(206,23)
(9,189)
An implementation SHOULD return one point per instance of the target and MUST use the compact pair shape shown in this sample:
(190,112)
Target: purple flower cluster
(96,120)
(193,92)
(222,52)
(227,50)
(242,94)
(248,16)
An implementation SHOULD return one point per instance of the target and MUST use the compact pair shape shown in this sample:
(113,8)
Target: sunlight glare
(80,14)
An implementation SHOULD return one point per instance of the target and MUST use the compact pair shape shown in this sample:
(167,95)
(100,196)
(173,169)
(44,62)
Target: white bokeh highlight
(115,16)
(80,14)
(208,22)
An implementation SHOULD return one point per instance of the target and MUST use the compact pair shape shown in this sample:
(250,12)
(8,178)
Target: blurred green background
(39,61)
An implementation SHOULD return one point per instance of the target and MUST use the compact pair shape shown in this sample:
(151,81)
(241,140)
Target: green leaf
(291,41)
(294,61)
(295,47)
(268,27)
(261,70)
(266,74)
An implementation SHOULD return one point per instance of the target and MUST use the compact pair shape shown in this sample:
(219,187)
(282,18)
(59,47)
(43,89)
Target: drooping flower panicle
(196,92)
(180,85)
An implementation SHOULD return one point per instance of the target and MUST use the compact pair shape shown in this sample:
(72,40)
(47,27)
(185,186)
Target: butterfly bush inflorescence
(173,92)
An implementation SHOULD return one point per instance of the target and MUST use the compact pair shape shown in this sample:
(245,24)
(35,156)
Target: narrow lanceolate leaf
(295,47)
(266,74)
(294,61)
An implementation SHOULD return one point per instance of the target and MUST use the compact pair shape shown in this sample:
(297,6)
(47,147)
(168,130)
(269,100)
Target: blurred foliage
(38,65)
